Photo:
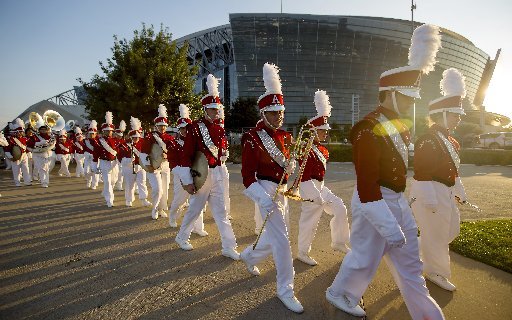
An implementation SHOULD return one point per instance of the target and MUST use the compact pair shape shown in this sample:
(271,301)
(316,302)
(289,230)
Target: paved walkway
(64,254)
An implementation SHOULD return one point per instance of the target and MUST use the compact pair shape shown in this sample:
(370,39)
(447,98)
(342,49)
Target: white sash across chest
(79,145)
(271,148)
(107,147)
(320,156)
(135,150)
(21,145)
(395,137)
(208,140)
(160,142)
(89,145)
(63,147)
(451,150)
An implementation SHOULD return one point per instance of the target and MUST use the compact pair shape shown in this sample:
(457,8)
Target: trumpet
(298,152)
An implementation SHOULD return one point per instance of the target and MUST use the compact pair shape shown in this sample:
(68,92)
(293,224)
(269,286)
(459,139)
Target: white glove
(379,215)
(223,159)
(459,190)
(290,168)
(257,194)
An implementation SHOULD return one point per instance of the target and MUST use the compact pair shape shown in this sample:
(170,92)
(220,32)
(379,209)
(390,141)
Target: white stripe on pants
(106,167)
(311,213)
(213,192)
(275,241)
(180,196)
(368,248)
(131,180)
(20,168)
(438,229)
(159,181)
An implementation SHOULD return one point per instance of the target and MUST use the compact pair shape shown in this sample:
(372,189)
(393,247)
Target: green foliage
(339,152)
(242,113)
(486,156)
(302,121)
(141,74)
(486,241)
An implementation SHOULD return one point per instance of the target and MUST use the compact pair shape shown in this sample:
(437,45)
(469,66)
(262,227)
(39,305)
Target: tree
(141,74)
(242,113)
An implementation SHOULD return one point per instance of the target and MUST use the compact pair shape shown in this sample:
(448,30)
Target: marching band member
(63,151)
(436,181)
(7,134)
(225,170)
(105,152)
(91,176)
(79,149)
(29,132)
(382,221)
(134,175)
(205,136)
(117,176)
(265,154)
(180,196)
(19,166)
(160,178)
(41,145)
(312,187)
(3,142)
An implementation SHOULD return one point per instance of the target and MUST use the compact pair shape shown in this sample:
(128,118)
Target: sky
(46,45)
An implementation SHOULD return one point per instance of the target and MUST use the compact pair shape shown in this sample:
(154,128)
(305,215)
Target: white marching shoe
(184,244)
(440,281)
(173,223)
(201,233)
(146,203)
(128,204)
(342,247)
(162,213)
(251,268)
(304,257)
(292,303)
(344,304)
(231,253)
(154,214)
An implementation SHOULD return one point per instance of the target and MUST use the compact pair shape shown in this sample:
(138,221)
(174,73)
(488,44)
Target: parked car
(494,140)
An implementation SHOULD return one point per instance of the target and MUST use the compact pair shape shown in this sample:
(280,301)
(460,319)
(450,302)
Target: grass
(488,241)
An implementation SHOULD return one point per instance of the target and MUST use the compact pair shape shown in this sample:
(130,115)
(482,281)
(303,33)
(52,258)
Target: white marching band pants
(159,181)
(52,160)
(132,180)
(106,167)
(311,213)
(64,160)
(437,229)
(20,168)
(227,200)
(369,247)
(91,178)
(79,159)
(275,241)
(115,173)
(42,165)
(212,191)
(180,197)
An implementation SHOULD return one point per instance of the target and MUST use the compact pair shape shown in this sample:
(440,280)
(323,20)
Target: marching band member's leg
(166,180)
(25,171)
(155,181)
(308,222)
(180,196)
(16,172)
(141,186)
(129,180)
(340,232)
(106,171)
(258,220)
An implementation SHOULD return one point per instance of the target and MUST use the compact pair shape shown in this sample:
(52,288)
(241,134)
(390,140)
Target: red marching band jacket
(430,145)
(376,160)
(90,144)
(257,162)
(79,146)
(101,153)
(149,140)
(315,168)
(194,142)
(31,143)
(12,143)
(174,155)
(124,150)
(65,147)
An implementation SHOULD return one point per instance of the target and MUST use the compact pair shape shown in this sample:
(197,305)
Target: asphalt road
(64,254)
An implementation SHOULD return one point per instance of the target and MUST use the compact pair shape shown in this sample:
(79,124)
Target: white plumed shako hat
(323,109)
(453,89)
(272,99)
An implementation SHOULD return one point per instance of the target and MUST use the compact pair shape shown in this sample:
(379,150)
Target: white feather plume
(122,126)
(212,84)
(453,83)
(63,132)
(162,111)
(322,104)
(184,111)
(78,131)
(20,123)
(425,43)
(93,124)
(271,78)
(135,123)
(221,112)
(109,118)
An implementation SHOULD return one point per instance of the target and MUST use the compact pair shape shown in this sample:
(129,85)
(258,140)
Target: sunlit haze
(47,45)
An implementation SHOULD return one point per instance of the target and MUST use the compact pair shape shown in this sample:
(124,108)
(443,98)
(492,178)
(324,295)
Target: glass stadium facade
(343,55)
